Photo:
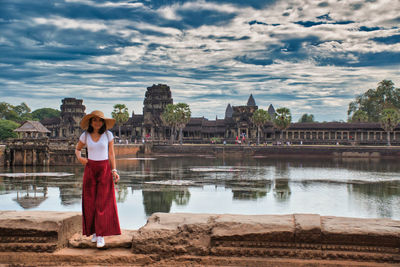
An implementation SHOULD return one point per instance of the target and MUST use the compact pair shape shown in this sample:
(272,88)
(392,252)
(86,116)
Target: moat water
(363,188)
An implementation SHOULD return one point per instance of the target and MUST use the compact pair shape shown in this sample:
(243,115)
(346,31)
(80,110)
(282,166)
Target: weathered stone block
(40,231)
(308,228)
(360,232)
(302,236)
(276,228)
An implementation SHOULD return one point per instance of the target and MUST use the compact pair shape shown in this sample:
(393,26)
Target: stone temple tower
(72,111)
(157,97)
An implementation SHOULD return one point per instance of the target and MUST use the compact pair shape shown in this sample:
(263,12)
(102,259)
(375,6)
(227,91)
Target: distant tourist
(99,206)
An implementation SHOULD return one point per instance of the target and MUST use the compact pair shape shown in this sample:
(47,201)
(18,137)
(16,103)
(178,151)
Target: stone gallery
(236,123)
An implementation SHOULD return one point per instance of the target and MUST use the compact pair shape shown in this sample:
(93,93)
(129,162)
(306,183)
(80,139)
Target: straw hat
(96,113)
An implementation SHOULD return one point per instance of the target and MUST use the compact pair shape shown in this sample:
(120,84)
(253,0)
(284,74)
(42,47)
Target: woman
(99,206)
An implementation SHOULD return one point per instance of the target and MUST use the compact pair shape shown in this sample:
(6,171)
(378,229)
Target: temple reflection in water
(341,187)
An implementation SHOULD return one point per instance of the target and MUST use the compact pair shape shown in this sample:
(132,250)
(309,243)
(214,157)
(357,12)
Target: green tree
(7,129)
(390,118)
(44,113)
(18,113)
(359,116)
(169,117)
(121,115)
(374,101)
(183,114)
(306,118)
(282,120)
(259,118)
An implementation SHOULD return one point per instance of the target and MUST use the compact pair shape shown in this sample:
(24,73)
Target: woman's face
(97,123)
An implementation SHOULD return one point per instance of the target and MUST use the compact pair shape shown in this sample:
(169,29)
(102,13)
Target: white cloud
(65,23)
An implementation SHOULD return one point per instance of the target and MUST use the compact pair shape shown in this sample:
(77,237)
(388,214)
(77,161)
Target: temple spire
(228,111)
(251,101)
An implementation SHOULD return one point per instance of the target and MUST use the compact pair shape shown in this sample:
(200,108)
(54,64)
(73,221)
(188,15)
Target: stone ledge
(288,236)
(39,231)
(185,239)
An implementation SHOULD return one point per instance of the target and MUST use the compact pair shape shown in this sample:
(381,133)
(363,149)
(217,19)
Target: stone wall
(276,151)
(130,149)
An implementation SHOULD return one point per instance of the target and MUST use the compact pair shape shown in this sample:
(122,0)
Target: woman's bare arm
(78,155)
(111,156)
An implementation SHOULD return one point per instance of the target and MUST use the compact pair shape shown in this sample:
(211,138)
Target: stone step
(122,241)
(28,247)
(76,257)
(124,257)
(38,231)
(28,239)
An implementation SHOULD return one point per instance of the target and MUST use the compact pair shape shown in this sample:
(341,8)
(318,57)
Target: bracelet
(114,170)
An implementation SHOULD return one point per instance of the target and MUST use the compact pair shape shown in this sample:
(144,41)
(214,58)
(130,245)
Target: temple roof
(32,127)
(251,101)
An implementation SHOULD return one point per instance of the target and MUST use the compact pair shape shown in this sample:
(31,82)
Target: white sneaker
(94,238)
(100,242)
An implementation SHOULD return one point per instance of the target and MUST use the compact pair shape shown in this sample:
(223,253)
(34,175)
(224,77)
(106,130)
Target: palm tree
(183,117)
(121,115)
(259,118)
(169,117)
(282,120)
(390,118)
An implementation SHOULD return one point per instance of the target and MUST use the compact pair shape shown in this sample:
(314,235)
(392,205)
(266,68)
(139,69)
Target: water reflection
(282,190)
(121,193)
(161,201)
(340,187)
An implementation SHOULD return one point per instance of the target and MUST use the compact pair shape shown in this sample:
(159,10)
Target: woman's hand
(84,161)
(116,176)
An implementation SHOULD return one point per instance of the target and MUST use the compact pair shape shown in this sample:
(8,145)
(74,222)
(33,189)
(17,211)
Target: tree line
(375,105)
(381,105)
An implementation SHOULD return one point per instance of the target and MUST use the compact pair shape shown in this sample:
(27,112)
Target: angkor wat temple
(237,122)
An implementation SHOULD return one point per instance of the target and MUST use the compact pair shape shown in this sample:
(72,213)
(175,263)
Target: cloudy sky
(312,56)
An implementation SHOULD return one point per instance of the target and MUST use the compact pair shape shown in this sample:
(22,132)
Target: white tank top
(97,150)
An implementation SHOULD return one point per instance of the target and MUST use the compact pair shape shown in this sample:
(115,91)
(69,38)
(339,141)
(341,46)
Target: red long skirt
(99,206)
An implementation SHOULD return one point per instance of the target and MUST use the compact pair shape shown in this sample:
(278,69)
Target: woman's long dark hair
(101,130)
